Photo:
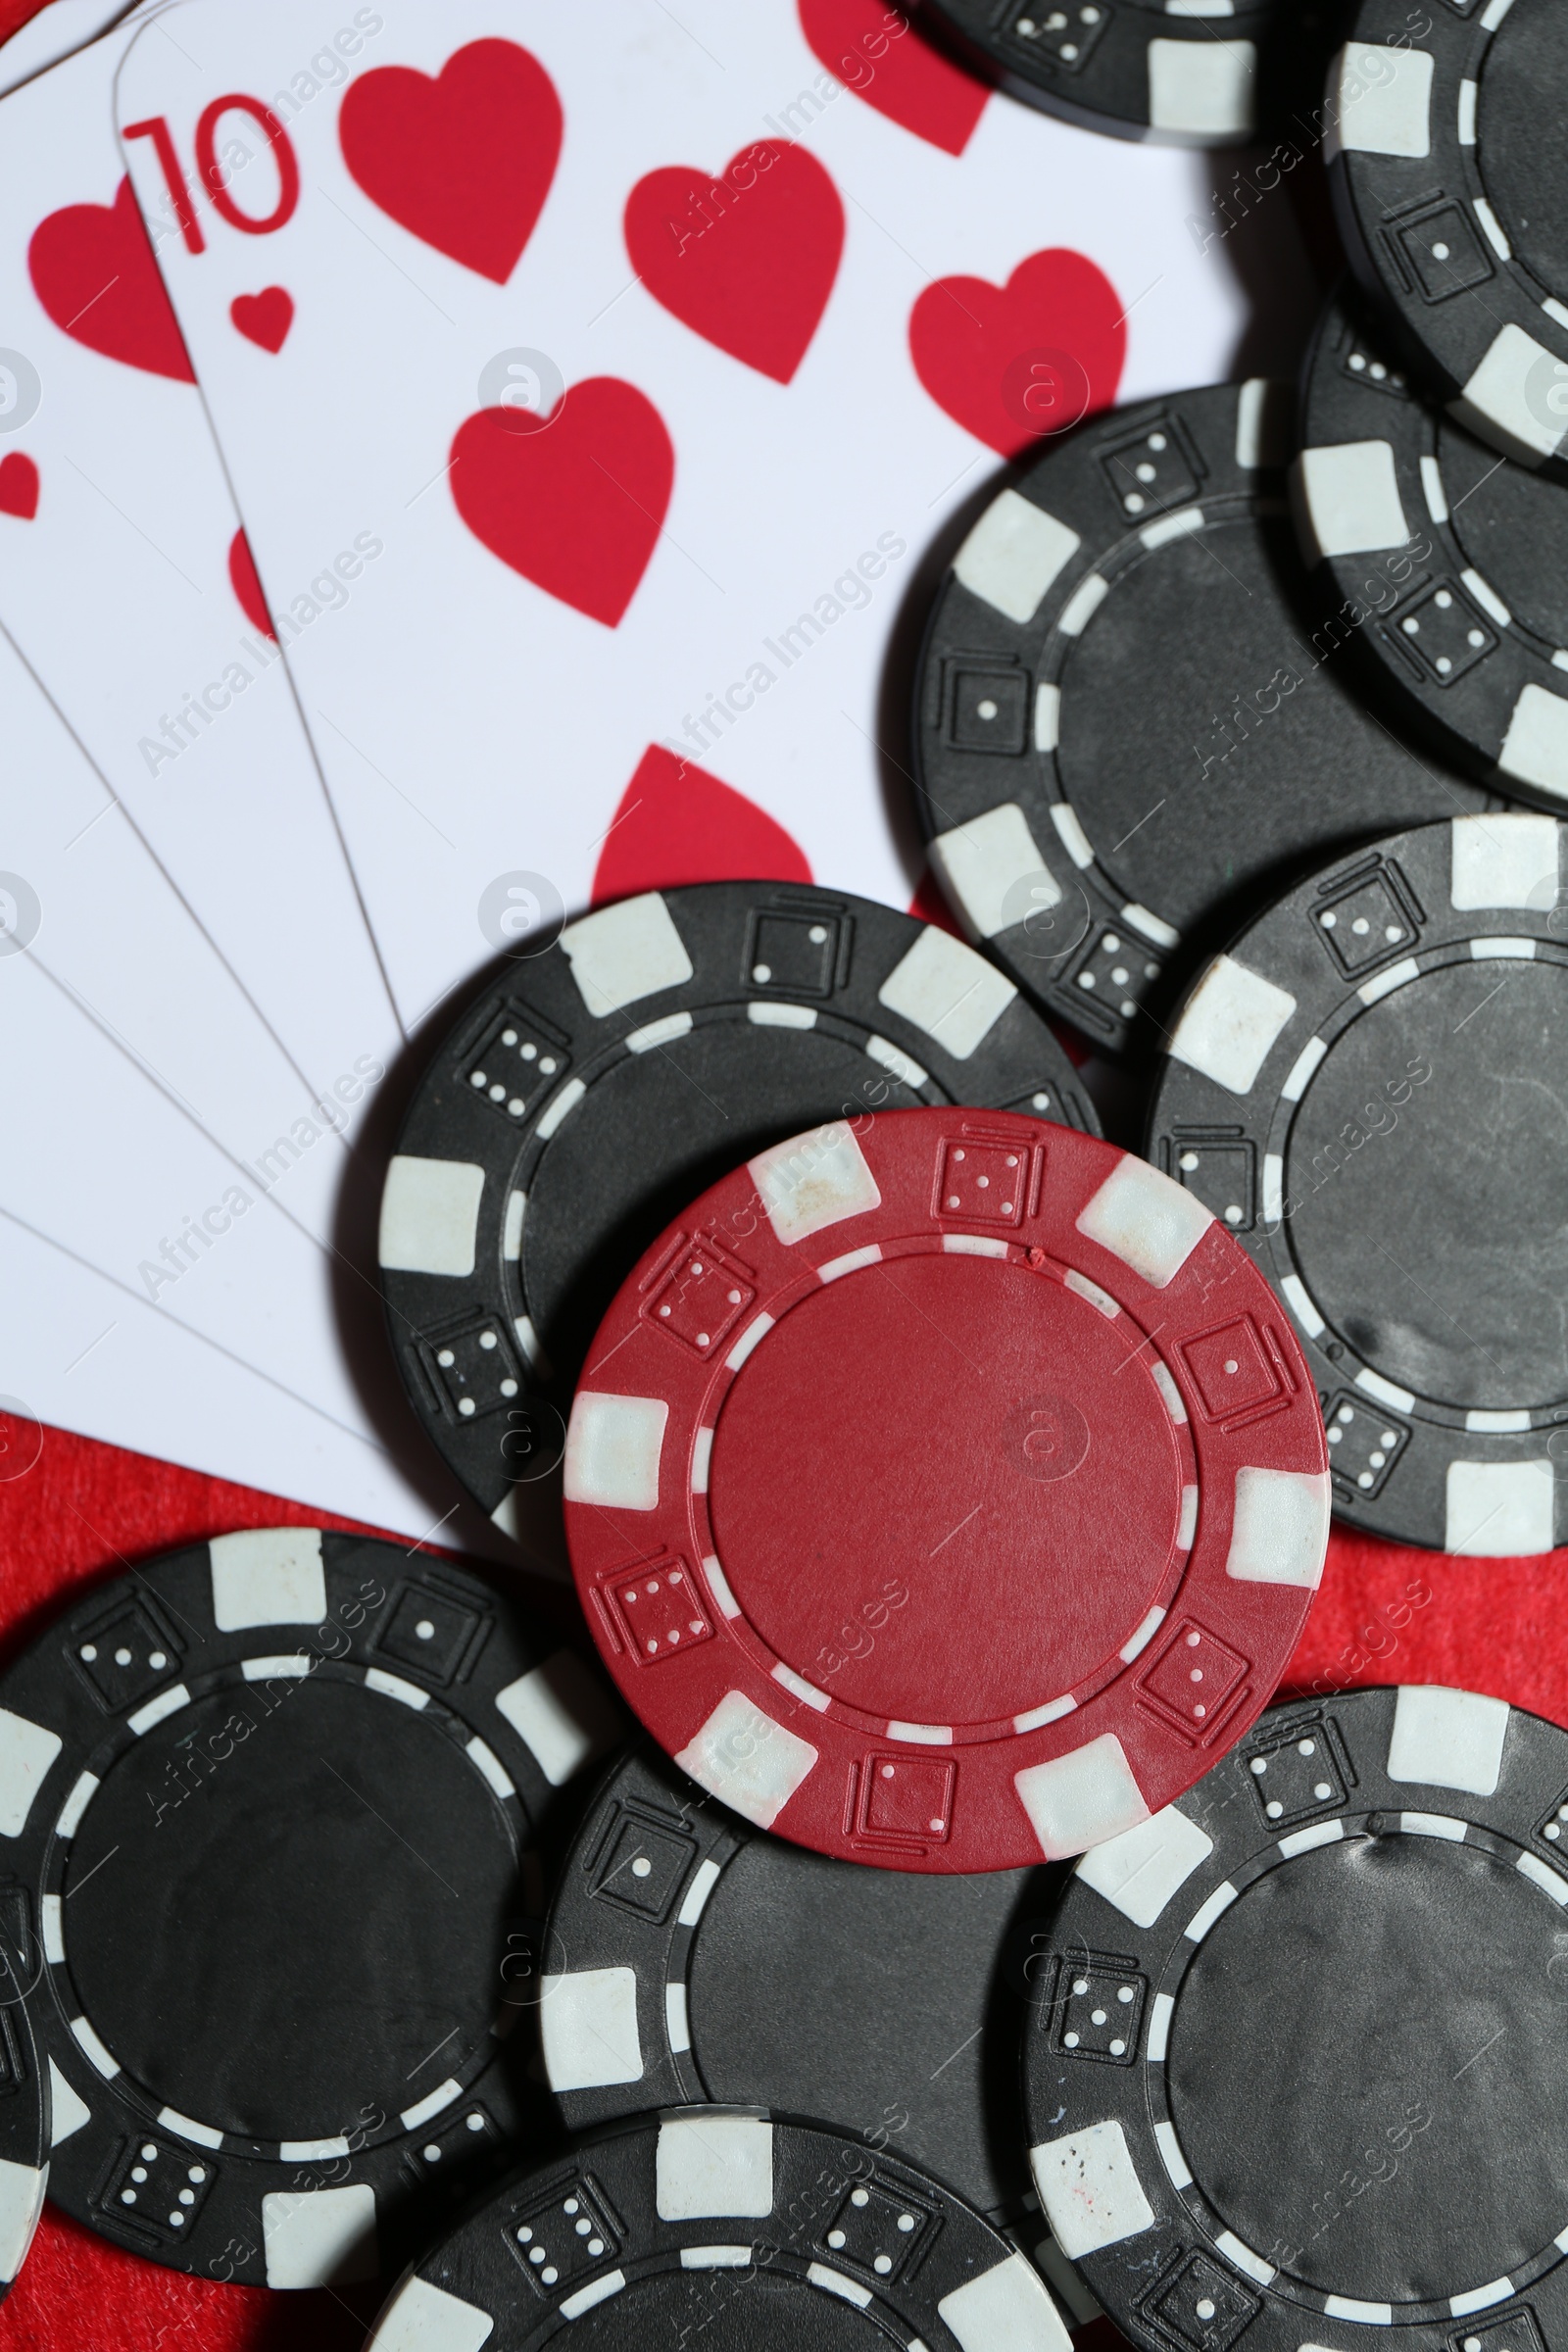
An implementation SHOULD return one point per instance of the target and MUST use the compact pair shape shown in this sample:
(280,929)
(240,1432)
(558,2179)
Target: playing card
(661,356)
(86,1354)
(126,582)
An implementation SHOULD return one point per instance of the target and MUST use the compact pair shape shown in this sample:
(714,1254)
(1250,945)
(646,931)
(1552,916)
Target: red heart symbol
(1015,364)
(464,162)
(678,824)
(885,60)
(748,261)
(18,486)
(93,269)
(245,580)
(264,317)
(574,501)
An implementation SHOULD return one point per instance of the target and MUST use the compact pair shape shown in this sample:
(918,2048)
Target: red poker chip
(947,1492)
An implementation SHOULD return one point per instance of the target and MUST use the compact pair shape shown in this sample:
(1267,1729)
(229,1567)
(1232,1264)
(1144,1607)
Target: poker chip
(1141,71)
(598,1086)
(727,2229)
(1127,729)
(269,1806)
(1446,567)
(692,1960)
(1298,2072)
(1366,1090)
(1445,202)
(944,1494)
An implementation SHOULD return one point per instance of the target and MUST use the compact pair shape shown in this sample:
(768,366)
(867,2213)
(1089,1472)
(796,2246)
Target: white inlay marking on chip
(588,2029)
(1211,1908)
(750,1339)
(719,1586)
(1006,2309)
(430,1215)
(1298,1300)
(560,1109)
(705,1878)
(903,1067)
(67,2110)
(1089,2187)
(1399,1400)
(1280,1533)
(1383,100)
(422,2318)
(596,2290)
(973,1245)
(1243,2257)
(512,1233)
(82,1790)
(712,2166)
(1081,1798)
(659,1033)
(779,1015)
(1149,1223)
(1433,1825)
(27,1749)
(799,1687)
(319,2237)
(835,1268)
(1170,2151)
(97,2056)
(1140,1872)
(1535,750)
(1447,1738)
(1504,861)
(1499,1510)
(267,1576)
(716,2257)
(1502,394)
(1384,984)
(677,2023)
(613,1446)
(1349,491)
(994,871)
(1170,1393)
(746,1759)
(701,1457)
(1015,556)
(813,1181)
(1161,2010)
(1036,1718)
(1304,1842)
(949,992)
(394,1685)
(625,952)
(1048,718)
(1201,90)
(562,1714)
(167,1702)
(1083,604)
(1139,1641)
(1230,1024)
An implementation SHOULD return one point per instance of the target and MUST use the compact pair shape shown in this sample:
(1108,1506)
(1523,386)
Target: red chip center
(946,1490)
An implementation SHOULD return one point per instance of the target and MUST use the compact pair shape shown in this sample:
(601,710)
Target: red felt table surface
(83,1511)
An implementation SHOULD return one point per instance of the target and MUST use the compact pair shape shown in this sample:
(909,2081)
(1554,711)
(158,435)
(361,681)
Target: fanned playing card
(637,367)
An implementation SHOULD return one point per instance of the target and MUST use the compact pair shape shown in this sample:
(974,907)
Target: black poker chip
(1369,1089)
(600,1086)
(1299,2078)
(1447,196)
(732,2230)
(272,1804)
(1449,570)
(1199,78)
(693,1959)
(1129,722)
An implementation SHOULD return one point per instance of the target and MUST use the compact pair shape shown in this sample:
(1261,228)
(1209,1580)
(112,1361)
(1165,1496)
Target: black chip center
(1368,2071)
(1514,527)
(825,1988)
(1205,748)
(307,1945)
(653,1132)
(1437,1243)
(1523,108)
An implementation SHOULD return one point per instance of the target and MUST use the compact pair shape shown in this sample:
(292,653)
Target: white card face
(116,533)
(82,1352)
(84,899)
(394,233)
